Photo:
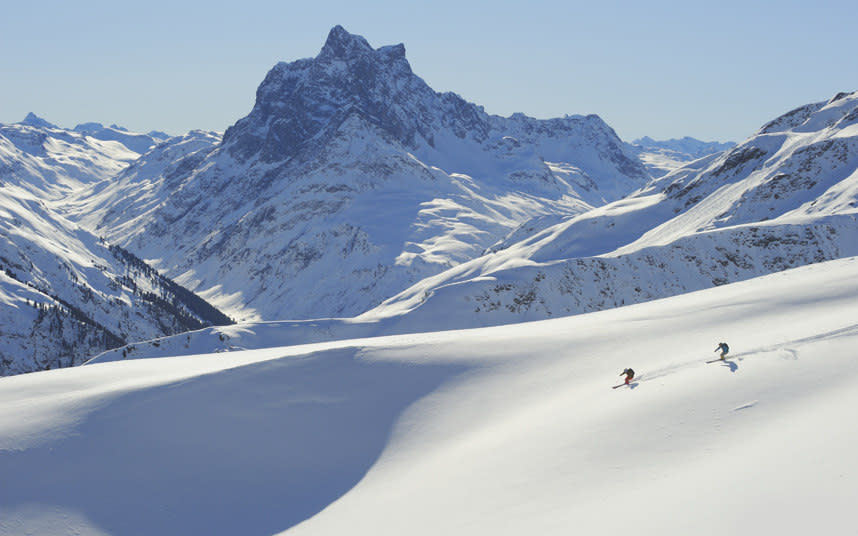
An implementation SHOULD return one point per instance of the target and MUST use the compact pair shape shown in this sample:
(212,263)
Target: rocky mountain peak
(34,120)
(344,45)
(816,115)
(297,100)
(300,106)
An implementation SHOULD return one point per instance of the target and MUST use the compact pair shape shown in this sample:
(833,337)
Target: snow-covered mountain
(354,190)
(664,156)
(352,179)
(137,142)
(689,148)
(785,197)
(33,120)
(509,430)
(66,295)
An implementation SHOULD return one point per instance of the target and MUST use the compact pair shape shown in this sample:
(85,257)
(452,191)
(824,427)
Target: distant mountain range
(353,191)
(139,143)
(664,156)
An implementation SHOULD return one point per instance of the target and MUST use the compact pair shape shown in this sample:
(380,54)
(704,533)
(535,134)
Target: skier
(724,349)
(629,375)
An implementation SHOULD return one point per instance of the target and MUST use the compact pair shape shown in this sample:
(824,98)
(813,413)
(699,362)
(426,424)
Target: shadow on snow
(253,450)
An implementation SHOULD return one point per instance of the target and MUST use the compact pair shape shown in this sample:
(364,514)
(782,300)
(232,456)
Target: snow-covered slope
(785,197)
(509,430)
(142,186)
(352,179)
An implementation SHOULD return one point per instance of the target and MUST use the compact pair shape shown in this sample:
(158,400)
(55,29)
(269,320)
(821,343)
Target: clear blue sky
(715,70)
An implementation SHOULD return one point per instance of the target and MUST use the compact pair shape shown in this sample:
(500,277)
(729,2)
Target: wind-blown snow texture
(352,179)
(508,430)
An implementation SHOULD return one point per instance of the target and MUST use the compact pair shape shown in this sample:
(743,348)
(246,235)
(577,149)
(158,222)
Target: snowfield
(505,430)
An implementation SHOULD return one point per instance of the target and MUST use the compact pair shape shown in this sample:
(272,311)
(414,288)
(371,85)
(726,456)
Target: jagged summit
(34,120)
(299,99)
(343,45)
(301,105)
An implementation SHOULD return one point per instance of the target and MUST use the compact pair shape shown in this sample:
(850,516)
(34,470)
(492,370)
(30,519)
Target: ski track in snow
(784,351)
(749,405)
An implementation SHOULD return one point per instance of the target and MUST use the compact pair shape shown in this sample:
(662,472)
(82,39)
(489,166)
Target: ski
(633,383)
(716,360)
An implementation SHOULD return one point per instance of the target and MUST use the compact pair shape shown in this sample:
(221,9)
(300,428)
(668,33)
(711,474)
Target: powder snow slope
(509,430)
